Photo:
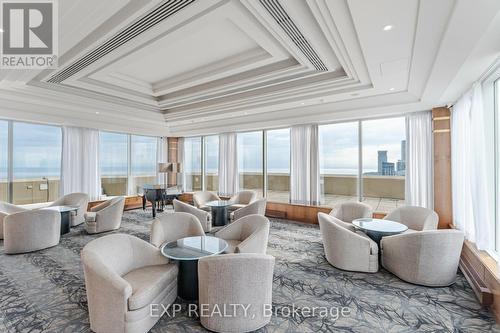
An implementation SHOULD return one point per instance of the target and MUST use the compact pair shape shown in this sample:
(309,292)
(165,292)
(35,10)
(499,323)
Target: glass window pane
(192,164)
(113,163)
(4,163)
(338,161)
(278,165)
(36,163)
(142,162)
(384,164)
(250,162)
(212,163)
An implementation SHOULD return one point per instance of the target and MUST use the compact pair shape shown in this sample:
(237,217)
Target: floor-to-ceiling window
(36,163)
(4,161)
(250,161)
(278,165)
(384,163)
(142,162)
(192,164)
(339,162)
(113,157)
(496,163)
(211,163)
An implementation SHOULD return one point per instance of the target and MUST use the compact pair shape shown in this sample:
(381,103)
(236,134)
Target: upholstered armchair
(124,275)
(7,209)
(257,207)
(415,218)
(74,199)
(200,199)
(204,217)
(171,227)
(246,235)
(242,198)
(349,211)
(31,230)
(106,216)
(236,279)
(346,248)
(428,258)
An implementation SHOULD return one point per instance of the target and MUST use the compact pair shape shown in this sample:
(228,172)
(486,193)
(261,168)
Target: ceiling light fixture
(391,89)
(388,27)
(1,30)
(97,112)
(303,103)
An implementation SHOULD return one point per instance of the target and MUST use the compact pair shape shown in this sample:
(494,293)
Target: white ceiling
(208,66)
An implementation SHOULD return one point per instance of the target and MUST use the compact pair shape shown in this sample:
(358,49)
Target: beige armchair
(171,227)
(415,218)
(257,207)
(246,235)
(239,279)
(242,198)
(74,199)
(124,275)
(346,248)
(428,258)
(7,209)
(31,230)
(204,217)
(200,199)
(106,216)
(349,211)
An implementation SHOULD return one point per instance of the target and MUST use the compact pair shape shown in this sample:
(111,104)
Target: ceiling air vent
(144,23)
(285,22)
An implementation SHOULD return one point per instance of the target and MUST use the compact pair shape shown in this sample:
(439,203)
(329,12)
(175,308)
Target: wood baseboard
(482,273)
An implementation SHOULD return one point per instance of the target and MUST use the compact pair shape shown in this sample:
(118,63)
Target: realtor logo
(29,37)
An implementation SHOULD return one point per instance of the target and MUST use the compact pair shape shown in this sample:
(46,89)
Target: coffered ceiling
(183,67)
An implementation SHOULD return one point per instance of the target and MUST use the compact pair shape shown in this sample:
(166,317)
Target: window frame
(10,153)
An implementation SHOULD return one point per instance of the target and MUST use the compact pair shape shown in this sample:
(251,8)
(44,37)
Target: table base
(219,216)
(65,222)
(187,281)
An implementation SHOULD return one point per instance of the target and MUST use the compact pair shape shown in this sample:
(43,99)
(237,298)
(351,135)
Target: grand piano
(159,196)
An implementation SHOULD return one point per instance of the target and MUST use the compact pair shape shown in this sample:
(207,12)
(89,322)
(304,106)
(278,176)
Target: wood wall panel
(442,165)
(173,144)
(306,214)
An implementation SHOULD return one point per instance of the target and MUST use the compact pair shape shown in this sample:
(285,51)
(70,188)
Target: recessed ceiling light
(388,27)
(303,103)
(97,112)
(391,89)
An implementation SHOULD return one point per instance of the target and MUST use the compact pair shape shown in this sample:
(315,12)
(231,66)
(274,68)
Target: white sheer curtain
(304,166)
(228,164)
(80,162)
(419,170)
(161,156)
(181,178)
(471,212)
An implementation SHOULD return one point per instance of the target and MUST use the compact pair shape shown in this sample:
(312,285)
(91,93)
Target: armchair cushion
(232,245)
(148,282)
(415,218)
(90,216)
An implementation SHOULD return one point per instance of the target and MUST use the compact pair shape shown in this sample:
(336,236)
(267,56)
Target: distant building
(382,158)
(401,168)
(401,165)
(388,169)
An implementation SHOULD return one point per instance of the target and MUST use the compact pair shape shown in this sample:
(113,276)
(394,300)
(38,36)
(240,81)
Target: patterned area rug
(45,292)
